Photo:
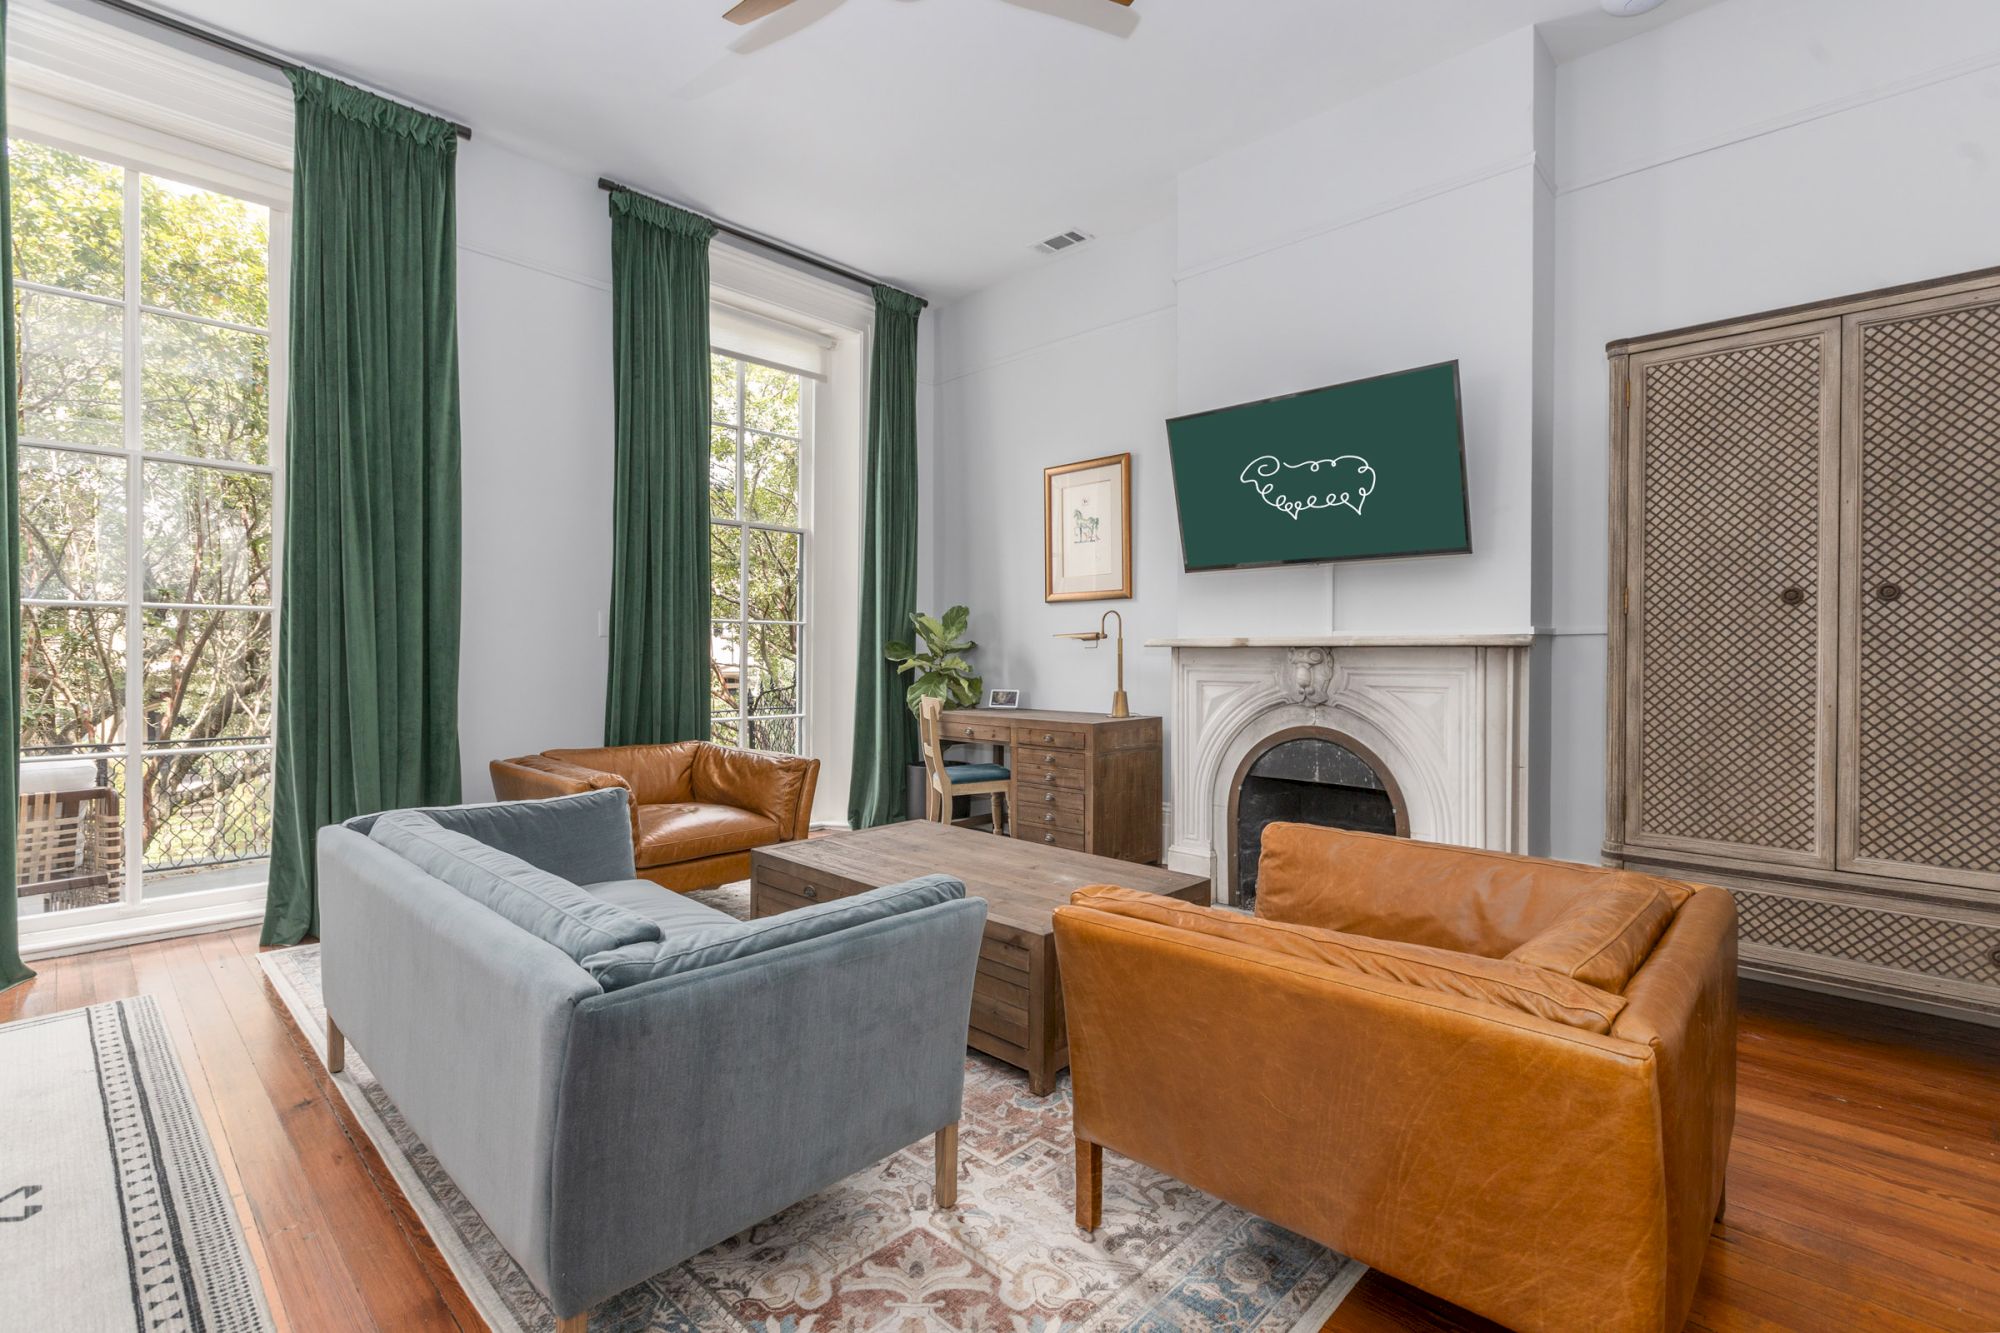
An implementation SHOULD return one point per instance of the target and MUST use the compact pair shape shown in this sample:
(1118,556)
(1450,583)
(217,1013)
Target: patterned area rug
(871,1256)
(113,1211)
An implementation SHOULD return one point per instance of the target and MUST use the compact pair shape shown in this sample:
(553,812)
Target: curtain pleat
(369,625)
(656,688)
(885,732)
(12,969)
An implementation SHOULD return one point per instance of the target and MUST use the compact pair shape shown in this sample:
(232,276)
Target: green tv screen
(1361,471)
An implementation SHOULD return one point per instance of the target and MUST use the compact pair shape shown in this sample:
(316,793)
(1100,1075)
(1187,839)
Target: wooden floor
(1864,1184)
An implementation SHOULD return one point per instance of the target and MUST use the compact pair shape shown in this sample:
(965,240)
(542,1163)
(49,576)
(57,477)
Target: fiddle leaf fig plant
(939,665)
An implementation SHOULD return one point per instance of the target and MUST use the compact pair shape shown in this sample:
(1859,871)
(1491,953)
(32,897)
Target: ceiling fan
(749,11)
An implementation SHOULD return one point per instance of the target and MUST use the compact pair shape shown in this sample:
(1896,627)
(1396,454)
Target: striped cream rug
(113,1211)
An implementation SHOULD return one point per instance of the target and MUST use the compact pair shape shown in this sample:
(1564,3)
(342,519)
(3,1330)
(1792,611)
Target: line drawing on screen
(1331,495)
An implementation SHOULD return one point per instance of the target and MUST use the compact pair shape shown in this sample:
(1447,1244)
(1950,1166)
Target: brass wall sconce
(1090,639)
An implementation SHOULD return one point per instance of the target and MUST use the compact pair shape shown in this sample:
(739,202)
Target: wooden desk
(1088,782)
(1017,1002)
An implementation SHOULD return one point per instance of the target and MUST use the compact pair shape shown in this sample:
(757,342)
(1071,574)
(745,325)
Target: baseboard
(103,935)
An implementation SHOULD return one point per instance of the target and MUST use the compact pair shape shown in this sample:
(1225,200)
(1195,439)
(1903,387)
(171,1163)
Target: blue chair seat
(957,773)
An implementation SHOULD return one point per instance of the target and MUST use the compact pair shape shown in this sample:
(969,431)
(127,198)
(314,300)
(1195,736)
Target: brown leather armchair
(1507,1081)
(697,809)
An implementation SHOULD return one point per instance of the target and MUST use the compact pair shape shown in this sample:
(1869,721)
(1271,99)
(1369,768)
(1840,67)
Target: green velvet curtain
(657,686)
(11,967)
(368,634)
(885,734)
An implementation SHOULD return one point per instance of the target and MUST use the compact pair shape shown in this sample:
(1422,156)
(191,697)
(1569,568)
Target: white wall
(534,350)
(1758,154)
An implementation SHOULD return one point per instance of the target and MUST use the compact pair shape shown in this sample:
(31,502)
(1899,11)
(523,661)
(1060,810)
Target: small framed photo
(1003,698)
(1087,530)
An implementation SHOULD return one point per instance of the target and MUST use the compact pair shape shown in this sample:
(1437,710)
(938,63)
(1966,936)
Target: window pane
(725,545)
(207,535)
(770,400)
(771,479)
(725,732)
(207,390)
(773,684)
(69,219)
(72,679)
(780,734)
(774,575)
(208,676)
(72,525)
(722,472)
(205,810)
(725,669)
(203,253)
(71,378)
(721,389)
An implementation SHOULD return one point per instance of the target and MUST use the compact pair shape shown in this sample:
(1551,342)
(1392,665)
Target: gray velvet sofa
(618,1077)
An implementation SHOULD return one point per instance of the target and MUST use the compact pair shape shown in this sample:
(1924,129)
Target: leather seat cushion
(657,774)
(1464,899)
(690,830)
(1530,990)
(749,781)
(1603,937)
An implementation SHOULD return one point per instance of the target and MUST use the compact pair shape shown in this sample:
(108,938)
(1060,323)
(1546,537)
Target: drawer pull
(810,892)
(1048,798)
(1049,760)
(1048,778)
(1048,737)
(1048,837)
(1049,818)
(966,730)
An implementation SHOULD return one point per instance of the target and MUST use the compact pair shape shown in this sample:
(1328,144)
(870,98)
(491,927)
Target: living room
(1003,664)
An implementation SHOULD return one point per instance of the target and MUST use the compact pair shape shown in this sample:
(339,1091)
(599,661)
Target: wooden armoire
(1805,633)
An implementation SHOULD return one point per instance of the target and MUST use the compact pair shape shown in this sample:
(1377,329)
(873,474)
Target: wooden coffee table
(1017,1008)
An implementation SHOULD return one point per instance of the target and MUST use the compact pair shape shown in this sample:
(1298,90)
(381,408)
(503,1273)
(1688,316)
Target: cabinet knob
(810,892)
(1048,736)
(1049,818)
(967,730)
(1048,779)
(1048,837)
(1888,592)
(1048,798)
(1792,596)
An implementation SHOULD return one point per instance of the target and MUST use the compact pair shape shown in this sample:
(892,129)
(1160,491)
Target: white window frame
(744,526)
(141,150)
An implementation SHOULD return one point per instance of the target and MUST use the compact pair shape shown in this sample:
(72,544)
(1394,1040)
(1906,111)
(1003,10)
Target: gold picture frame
(1087,530)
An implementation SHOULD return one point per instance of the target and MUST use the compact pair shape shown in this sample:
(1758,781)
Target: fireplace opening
(1308,775)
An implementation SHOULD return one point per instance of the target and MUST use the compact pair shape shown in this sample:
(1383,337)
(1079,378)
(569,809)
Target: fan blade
(749,11)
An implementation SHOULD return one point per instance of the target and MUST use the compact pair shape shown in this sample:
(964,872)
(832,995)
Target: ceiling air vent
(1062,241)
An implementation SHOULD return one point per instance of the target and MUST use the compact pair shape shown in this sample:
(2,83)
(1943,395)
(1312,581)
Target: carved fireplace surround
(1444,715)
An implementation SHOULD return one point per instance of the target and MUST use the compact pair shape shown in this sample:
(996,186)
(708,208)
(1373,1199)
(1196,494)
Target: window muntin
(149,531)
(757,554)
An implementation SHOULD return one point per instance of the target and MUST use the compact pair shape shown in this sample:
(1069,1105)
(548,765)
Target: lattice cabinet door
(1920,684)
(1730,613)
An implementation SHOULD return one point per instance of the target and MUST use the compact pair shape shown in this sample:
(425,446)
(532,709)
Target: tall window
(757,549)
(147,511)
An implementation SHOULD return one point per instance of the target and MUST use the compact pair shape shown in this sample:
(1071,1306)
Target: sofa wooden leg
(573,1323)
(1089,1185)
(336,1047)
(947,1166)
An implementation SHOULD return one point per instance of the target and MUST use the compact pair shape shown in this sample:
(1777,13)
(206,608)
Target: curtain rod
(755,238)
(234,47)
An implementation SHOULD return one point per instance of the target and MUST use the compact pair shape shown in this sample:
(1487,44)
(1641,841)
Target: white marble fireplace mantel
(1444,714)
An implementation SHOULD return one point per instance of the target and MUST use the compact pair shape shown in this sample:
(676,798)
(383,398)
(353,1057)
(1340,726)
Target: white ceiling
(928,141)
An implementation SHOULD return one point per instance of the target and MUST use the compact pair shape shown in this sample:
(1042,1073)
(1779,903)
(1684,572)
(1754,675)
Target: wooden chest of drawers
(1088,782)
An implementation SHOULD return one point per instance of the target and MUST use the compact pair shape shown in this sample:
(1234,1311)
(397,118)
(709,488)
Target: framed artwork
(1003,698)
(1087,529)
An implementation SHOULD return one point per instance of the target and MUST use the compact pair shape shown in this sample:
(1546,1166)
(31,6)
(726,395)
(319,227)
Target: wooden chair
(944,781)
(69,846)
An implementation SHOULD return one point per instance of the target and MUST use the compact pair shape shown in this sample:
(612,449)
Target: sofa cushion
(770,785)
(1530,990)
(672,911)
(1460,898)
(688,951)
(1604,936)
(657,774)
(552,909)
(579,838)
(975,773)
(689,830)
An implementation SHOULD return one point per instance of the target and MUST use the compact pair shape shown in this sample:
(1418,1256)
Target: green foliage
(206,535)
(939,666)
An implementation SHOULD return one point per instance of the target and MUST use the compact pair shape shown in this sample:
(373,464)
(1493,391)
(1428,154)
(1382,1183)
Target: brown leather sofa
(1509,1082)
(697,809)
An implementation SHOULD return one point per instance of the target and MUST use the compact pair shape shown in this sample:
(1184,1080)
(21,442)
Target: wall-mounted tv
(1368,470)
